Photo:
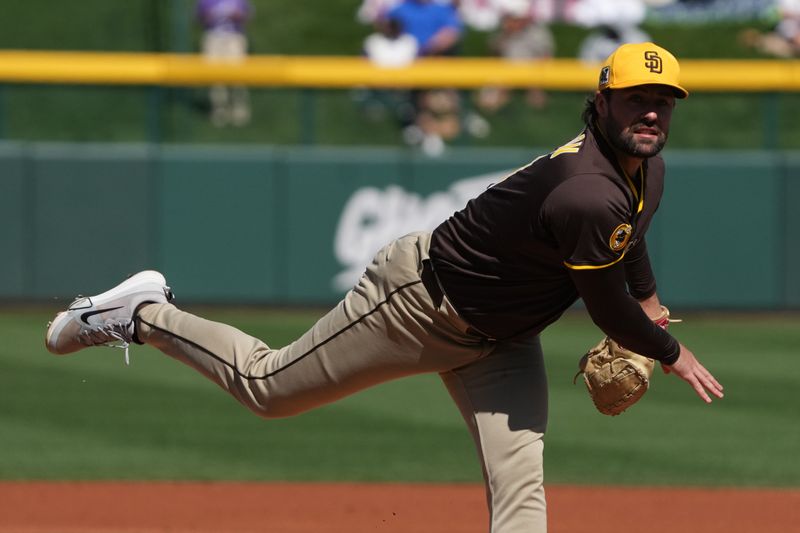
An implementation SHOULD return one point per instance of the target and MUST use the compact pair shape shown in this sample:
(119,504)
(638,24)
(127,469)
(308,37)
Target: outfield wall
(297,225)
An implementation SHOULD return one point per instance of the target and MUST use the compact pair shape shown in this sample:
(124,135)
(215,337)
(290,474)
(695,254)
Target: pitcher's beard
(624,140)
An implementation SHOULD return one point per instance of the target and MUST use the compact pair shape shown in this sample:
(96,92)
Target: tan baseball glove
(616,377)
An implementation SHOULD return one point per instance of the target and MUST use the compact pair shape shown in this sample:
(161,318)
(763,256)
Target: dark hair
(589,114)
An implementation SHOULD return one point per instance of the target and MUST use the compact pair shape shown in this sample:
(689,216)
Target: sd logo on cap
(641,64)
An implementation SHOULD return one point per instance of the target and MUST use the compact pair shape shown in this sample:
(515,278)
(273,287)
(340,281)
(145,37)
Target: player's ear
(601,103)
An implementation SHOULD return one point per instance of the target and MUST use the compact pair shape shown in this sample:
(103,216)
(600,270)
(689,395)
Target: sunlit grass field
(89,417)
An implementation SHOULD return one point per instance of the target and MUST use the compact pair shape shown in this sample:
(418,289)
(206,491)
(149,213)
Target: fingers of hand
(711,384)
(698,388)
(703,382)
(689,369)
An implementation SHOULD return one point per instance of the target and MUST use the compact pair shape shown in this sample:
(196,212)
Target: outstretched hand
(689,369)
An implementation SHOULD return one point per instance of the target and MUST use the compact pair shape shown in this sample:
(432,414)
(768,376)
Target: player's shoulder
(579,163)
(580,143)
(586,192)
(580,154)
(578,167)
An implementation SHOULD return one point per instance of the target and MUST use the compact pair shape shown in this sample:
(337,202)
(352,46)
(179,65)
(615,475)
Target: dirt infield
(357,508)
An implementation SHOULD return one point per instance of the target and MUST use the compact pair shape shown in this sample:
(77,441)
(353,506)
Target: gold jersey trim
(594,267)
(572,147)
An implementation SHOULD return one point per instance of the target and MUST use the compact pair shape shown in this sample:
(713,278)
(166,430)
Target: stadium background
(100,181)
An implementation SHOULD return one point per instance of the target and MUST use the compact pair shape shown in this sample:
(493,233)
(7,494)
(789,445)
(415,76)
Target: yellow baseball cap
(641,64)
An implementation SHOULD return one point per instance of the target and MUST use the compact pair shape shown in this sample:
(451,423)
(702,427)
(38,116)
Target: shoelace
(99,336)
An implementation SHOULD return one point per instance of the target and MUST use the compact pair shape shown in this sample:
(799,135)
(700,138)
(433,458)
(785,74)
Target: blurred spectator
(522,36)
(614,23)
(372,11)
(784,39)
(606,38)
(480,15)
(389,46)
(437,29)
(437,119)
(487,15)
(436,26)
(224,40)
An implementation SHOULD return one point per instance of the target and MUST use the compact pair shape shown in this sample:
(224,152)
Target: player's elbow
(607,325)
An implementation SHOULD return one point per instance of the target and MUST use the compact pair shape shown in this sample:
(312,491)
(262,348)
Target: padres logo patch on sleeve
(620,237)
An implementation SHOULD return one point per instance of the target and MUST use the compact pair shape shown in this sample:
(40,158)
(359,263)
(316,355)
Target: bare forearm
(651,306)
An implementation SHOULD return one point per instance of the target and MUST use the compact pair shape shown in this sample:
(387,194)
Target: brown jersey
(565,226)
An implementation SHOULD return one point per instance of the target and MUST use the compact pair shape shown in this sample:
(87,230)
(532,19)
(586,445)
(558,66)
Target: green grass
(89,417)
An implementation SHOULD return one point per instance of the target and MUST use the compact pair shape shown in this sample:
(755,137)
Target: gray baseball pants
(391,324)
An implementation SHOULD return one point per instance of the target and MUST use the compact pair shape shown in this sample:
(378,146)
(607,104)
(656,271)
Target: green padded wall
(90,210)
(719,236)
(298,225)
(219,222)
(16,232)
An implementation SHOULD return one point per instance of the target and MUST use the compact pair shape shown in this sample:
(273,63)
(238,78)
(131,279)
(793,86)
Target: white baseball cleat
(106,319)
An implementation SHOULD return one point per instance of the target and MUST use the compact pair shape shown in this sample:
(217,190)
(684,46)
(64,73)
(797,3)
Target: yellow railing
(18,66)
